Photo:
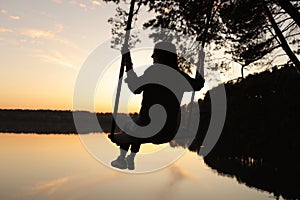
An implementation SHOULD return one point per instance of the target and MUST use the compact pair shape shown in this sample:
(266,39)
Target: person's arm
(128,61)
(132,79)
(199,82)
(196,83)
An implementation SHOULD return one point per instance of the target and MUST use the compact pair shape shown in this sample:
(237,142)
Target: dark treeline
(48,121)
(260,142)
(262,111)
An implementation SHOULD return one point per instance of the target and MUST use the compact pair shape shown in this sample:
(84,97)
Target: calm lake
(59,167)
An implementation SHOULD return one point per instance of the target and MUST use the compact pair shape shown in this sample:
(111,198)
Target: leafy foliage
(241,26)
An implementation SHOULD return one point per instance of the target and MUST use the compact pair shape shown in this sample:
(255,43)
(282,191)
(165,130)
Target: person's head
(165,53)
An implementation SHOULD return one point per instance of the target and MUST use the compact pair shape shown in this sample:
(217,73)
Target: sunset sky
(42,47)
(43,44)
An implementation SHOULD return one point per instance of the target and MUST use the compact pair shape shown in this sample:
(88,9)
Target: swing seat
(123,138)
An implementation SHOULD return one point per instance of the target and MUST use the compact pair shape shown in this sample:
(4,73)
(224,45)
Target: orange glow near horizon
(43,46)
(42,51)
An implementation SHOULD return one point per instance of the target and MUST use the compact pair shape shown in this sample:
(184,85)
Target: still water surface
(59,167)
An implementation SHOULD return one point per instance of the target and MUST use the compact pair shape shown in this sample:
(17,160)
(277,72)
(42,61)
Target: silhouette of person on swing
(164,54)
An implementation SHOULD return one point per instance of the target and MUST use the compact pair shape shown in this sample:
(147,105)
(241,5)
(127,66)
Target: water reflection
(59,167)
(266,164)
(282,180)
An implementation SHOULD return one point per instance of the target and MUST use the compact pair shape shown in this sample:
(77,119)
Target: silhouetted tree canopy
(248,29)
(256,28)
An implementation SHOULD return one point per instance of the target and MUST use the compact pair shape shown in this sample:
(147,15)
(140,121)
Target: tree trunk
(290,9)
(285,46)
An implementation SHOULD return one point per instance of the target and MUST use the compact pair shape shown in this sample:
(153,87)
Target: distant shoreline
(48,121)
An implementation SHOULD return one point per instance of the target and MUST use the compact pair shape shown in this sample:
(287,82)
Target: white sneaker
(119,163)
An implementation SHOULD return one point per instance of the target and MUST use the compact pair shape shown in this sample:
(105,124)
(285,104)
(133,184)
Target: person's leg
(123,150)
(125,140)
(120,162)
(122,140)
(134,149)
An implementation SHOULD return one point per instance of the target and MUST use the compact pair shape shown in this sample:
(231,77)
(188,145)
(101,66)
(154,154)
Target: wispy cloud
(81,5)
(9,40)
(37,36)
(48,187)
(81,185)
(45,45)
(41,39)
(91,5)
(178,175)
(56,58)
(35,33)
(96,3)
(3,11)
(86,5)
(70,187)
(5,30)
(49,42)
(15,17)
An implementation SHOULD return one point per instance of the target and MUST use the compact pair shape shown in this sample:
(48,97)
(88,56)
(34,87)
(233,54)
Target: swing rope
(121,73)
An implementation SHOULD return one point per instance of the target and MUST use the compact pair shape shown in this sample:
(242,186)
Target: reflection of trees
(260,142)
(280,178)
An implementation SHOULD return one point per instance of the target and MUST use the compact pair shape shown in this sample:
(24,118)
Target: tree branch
(280,36)
(291,10)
